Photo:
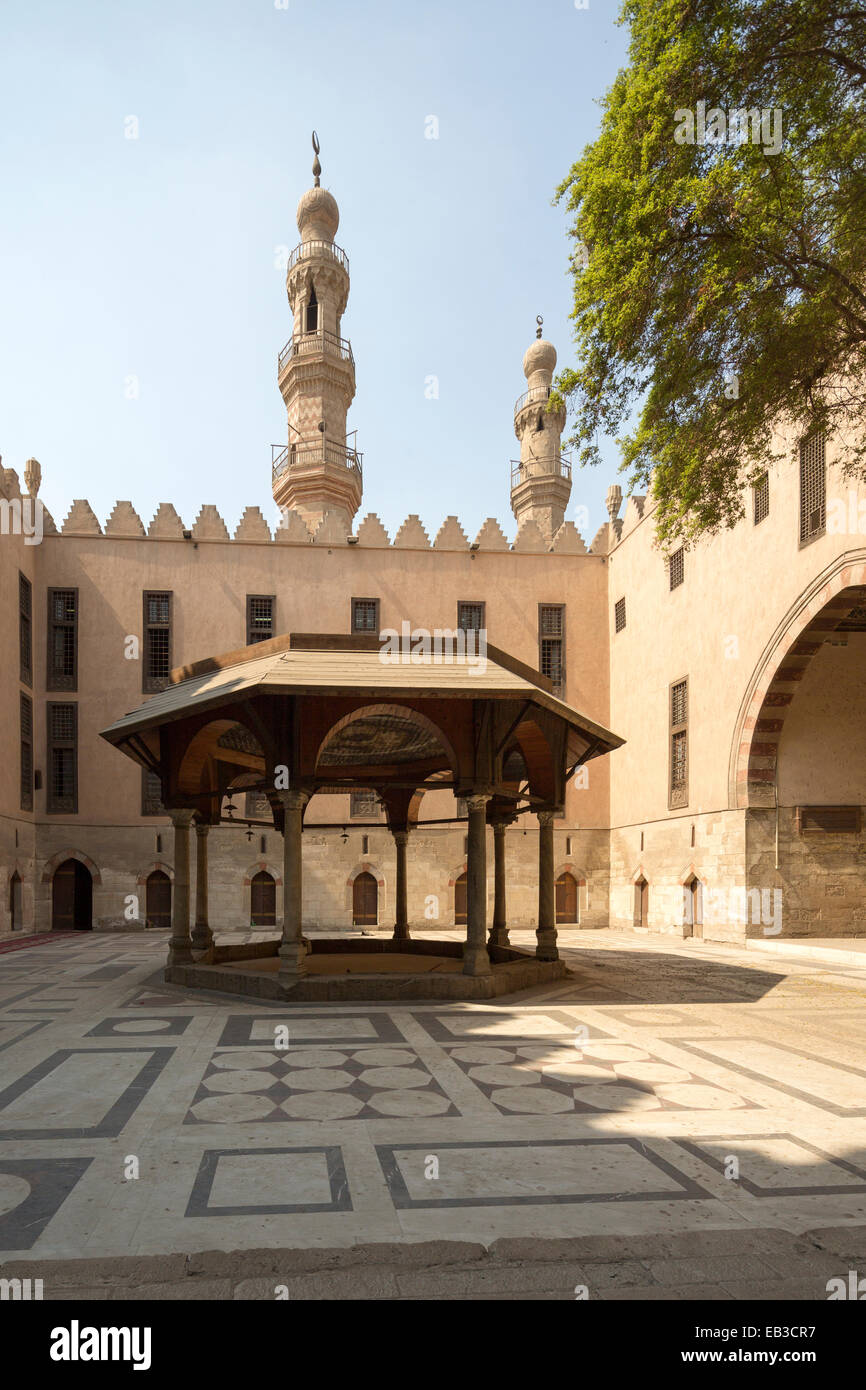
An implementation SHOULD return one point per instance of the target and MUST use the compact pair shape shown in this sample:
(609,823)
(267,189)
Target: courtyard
(672,1120)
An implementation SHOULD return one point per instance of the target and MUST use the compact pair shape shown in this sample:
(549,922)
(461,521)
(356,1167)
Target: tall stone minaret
(541,482)
(320,469)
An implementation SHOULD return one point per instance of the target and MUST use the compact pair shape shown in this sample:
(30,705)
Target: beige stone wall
(17,834)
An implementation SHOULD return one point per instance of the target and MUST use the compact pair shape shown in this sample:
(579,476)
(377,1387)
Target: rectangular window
(364,804)
(156,665)
(257,806)
(62,673)
(677,568)
(26,729)
(470,617)
(679,773)
(151,794)
(62,758)
(813,488)
(365,615)
(619,614)
(761,499)
(827,820)
(260,618)
(25,629)
(551,640)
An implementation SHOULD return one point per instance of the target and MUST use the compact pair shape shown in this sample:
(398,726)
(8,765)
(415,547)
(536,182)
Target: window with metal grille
(619,614)
(157,640)
(151,794)
(26,732)
(25,629)
(677,568)
(364,804)
(679,771)
(551,641)
(470,617)
(813,487)
(761,499)
(365,615)
(260,618)
(62,758)
(62,673)
(257,806)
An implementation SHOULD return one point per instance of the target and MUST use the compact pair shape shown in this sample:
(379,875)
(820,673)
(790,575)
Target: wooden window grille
(677,568)
(62,758)
(619,614)
(157,640)
(26,734)
(828,820)
(470,617)
(551,635)
(813,487)
(260,618)
(25,629)
(151,793)
(761,499)
(62,671)
(679,765)
(365,615)
(364,804)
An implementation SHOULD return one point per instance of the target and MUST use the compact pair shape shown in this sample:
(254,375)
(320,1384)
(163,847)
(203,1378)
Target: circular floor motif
(701,1097)
(142,1025)
(314,1057)
(626,1099)
(537,1102)
(409,1103)
(505,1076)
(384,1057)
(614,1052)
(234,1082)
(319,1079)
(13,1191)
(321,1105)
(471,1055)
(244,1061)
(650,1071)
(394,1078)
(229,1110)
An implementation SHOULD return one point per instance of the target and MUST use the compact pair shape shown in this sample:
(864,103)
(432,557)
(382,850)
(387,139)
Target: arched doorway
(693,907)
(566,898)
(16,911)
(263,900)
(641,903)
(365,901)
(158,899)
(72,897)
(460,900)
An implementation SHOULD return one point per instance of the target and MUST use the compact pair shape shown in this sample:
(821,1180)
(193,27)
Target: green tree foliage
(720,286)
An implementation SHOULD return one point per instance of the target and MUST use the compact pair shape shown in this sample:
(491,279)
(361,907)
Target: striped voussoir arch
(838,607)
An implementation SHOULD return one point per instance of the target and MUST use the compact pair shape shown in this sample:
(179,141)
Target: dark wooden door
(158,900)
(72,897)
(263,900)
(566,898)
(697,908)
(15,904)
(460,901)
(365,901)
(643,887)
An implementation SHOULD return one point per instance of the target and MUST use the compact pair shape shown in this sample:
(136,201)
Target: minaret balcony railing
(327,343)
(303,456)
(308,250)
(537,468)
(535,393)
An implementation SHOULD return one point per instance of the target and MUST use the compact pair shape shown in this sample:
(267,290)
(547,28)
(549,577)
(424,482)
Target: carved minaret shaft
(320,469)
(541,481)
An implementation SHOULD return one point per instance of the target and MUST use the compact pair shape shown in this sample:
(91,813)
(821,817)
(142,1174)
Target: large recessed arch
(384,734)
(814,616)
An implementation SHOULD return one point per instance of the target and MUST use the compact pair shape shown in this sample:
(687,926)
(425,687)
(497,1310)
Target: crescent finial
(317,168)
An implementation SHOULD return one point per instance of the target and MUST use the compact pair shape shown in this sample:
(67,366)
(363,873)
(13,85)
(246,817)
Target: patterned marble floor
(663,1087)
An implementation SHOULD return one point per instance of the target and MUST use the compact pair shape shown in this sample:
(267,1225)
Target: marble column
(202,936)
(180,946)
(499,930)
(292,949)
(401,917)
(545,932)
(476,960)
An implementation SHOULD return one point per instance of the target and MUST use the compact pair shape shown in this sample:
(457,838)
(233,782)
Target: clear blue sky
(155,257)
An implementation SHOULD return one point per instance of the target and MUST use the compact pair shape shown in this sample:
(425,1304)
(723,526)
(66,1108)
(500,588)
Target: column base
(401,933)
(498,937)
(546,948)
(476,961)
(292,967)
(202,937)
(179,953)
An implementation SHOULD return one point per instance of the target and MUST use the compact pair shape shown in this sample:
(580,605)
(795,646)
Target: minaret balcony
(316,344)
(300,458)
(559,467)
(309,250)
(533,396)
